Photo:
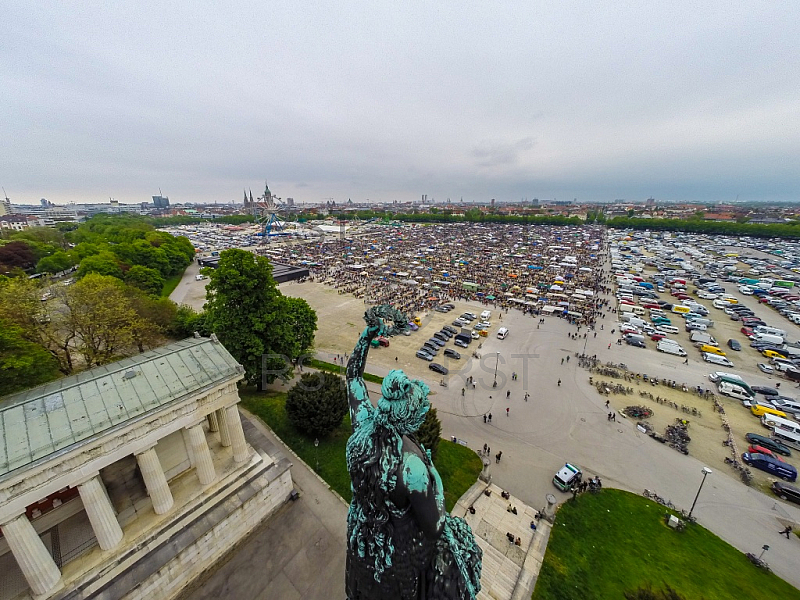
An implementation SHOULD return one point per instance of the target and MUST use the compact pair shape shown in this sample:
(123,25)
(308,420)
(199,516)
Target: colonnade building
(130,479)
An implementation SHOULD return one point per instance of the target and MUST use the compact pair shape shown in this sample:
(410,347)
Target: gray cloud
(392,100)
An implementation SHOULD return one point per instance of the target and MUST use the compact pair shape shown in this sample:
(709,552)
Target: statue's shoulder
(415,474)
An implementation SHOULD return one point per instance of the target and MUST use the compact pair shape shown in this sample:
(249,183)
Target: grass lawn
(339,370)
(605,544)
(458,466)
(170,284)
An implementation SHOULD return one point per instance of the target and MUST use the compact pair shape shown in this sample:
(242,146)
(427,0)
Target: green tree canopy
(252,318)
(146,279)
(55,263)
(23,363)
(317,403)
(104,263)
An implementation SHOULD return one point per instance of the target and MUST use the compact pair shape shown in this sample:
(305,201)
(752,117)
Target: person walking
(785,532)
(498,456)
(508,393)
(559,383)
(484,418)
(507,410)
(490,417)
(607,403)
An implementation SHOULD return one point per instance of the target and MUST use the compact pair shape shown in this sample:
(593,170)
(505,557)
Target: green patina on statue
(401,544)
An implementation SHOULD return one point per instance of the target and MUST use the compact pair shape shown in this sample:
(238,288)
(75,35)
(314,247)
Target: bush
(430,432)
(317,404)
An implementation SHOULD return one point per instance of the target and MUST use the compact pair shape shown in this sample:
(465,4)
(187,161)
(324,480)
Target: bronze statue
(401,544)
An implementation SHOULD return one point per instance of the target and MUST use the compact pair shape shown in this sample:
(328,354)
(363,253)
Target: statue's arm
(357,394)
(425,493)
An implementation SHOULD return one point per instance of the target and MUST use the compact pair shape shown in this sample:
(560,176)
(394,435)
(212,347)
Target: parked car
(756,449)
(761,440)
(452,330)
(449,352)
(786,491)
(766,463)
(437,342)
(766,369)
(734,345)
(461,343)
(767,391)
(424,355)
(438,368)
(748,331)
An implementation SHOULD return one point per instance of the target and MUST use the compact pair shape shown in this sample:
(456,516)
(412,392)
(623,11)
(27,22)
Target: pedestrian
(508,393)
(614,417)
(607,403)
(686,362)
(507,409)
(395,359)
(488,450)
(609,345)
(484,418)
(498,456)
(786,531)
(490,417)
(562,360)
(608,417)
(484,448)
(559,383)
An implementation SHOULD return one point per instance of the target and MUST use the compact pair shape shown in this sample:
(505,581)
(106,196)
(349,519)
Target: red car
(650,305)
(748,331)
(765,299)
(657,336)
(761,450)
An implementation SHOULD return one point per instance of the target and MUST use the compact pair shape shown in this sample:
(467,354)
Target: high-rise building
(161,201)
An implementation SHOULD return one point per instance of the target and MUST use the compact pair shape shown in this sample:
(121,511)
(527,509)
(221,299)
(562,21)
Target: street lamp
(316,454)
(496,360)
(706,471)
(764,548)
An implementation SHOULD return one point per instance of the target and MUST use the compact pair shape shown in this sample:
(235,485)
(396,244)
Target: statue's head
(404,402)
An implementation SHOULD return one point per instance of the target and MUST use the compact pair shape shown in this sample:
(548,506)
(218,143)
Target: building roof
(52,418)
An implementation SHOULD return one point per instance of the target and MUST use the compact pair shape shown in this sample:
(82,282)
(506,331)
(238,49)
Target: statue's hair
(374,453)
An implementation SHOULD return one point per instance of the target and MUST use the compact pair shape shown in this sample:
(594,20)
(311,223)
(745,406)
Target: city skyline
(685,102)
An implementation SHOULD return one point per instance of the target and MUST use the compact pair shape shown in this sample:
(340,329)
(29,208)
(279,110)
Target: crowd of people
(535,269)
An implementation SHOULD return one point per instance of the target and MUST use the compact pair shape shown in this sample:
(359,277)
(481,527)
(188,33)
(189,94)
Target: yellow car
(771,353)
(483,333)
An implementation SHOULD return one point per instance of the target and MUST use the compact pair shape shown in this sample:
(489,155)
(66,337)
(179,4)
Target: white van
(770,331)
(502,333)
(774,421)
(670,347)
(769,338)
(485,315)
(667,328)
(734,391)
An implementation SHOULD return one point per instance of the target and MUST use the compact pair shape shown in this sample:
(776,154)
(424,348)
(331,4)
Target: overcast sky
(390,100)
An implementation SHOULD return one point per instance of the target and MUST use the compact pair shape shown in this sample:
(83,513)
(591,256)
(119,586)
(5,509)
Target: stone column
(101,513)
(240,451)
(155,480)
(34,560)
(202,456)
(212,421)
(224,431)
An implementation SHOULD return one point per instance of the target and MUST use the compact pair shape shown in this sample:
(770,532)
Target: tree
(104,263)
(18,255)
(146,279)
(299,322)
(317,403)
(55,263)
(254,321)
(102,318)
(430,432)
(23,364)
(187,321)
